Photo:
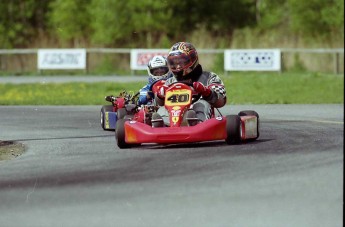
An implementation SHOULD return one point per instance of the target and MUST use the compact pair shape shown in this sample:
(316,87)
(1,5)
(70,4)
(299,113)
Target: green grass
(285,88)
(242,88)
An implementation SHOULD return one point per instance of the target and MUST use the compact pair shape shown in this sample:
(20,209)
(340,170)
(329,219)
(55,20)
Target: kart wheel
(105,109)
(121,113)
(233,129)
(128,117)
(120,134)
(251,113)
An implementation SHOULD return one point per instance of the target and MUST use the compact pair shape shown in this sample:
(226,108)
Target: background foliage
(151,23)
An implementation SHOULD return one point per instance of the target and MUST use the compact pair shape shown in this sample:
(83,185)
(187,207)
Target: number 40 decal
(178,98)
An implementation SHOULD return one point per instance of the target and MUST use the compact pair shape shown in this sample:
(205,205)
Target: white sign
(61,59)
(141,57)
(252,60)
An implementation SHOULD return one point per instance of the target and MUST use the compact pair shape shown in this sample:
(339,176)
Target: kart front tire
(233,129)
(120,135)
(121,113)
(104,109)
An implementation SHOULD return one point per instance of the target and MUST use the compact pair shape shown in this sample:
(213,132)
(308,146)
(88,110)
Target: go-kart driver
(183,62)
(157,70)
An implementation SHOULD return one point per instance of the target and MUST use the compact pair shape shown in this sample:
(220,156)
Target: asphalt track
(73,174)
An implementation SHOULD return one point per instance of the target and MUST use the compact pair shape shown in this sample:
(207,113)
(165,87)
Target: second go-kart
(182,129)
(121,105)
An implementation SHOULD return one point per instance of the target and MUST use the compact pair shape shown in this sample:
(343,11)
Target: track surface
(72,173)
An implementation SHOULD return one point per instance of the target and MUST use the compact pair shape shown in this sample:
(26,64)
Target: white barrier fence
(61,59)
(234,59)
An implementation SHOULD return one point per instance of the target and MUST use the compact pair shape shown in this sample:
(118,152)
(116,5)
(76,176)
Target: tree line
(153,23)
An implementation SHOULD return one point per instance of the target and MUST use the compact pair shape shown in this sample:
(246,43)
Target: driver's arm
(144,96)
(218,95)
(159,94)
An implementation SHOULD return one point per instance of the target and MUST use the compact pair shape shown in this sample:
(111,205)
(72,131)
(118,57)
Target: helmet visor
(160,71)
(179,62)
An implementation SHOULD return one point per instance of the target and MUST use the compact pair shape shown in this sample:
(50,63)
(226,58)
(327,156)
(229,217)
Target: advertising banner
(141,57)
(252,60)
(61,59)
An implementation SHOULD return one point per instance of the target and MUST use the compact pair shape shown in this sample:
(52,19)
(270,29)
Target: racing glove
(156,85)
(201,89)
(161,91)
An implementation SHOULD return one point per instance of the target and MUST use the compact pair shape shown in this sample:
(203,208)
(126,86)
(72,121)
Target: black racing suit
(203,107)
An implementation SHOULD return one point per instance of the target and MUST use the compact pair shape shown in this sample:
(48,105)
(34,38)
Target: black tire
(233,129)
(120,134)
(251,113)
(124,114)
(121,113)
(108,108)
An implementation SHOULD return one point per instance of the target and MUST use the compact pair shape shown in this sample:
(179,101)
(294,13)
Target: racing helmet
(182,59)
(157,68)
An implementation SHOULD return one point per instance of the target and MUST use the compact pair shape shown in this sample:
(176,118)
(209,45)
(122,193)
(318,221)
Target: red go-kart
(178,100)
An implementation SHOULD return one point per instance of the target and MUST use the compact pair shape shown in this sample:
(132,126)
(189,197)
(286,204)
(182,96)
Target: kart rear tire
(104,109)
(251,113)
(233,129)
(120,134)
(121,113)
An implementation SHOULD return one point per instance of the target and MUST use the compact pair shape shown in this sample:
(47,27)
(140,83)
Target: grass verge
(242,88)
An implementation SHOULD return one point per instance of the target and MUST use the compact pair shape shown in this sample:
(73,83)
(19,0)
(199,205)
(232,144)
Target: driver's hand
(156,85)
(201,89)
(161,91)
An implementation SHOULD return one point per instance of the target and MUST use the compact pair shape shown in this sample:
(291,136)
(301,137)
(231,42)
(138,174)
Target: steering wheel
(195,96)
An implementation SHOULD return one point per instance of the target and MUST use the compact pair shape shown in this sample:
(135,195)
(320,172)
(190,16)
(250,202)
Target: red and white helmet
(157,68)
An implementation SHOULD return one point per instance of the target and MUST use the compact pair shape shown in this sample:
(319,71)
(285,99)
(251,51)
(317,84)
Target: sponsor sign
(141,57)
(252,60)
(61,59)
